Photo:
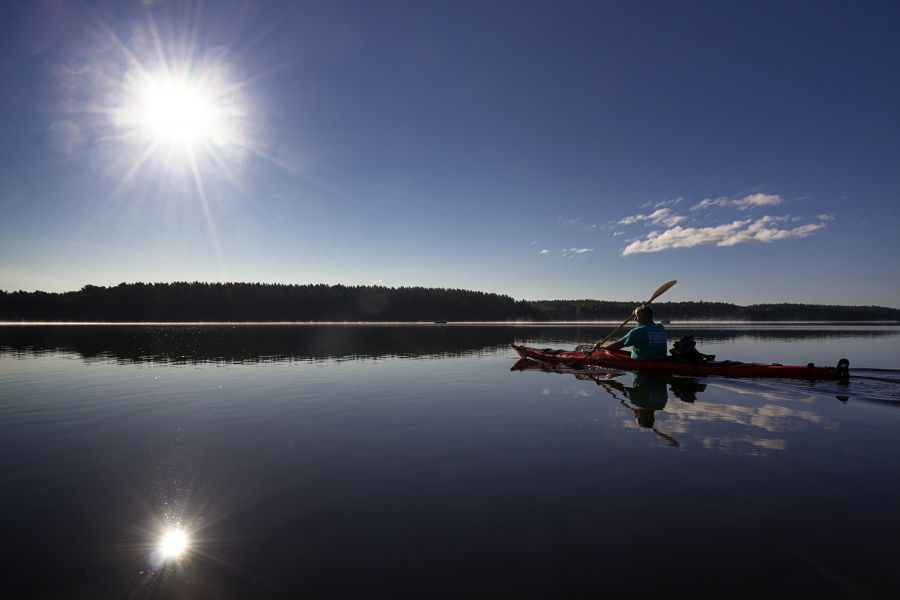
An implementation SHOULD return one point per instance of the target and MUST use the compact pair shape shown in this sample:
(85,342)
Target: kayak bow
(617,359)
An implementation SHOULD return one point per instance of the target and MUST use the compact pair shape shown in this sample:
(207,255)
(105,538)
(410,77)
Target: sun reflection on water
(174,544)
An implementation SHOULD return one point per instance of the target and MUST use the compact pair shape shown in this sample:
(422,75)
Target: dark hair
(645,417)
(644,309)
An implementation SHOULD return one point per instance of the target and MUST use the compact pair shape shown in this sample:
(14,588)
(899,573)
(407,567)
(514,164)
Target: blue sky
(536,149)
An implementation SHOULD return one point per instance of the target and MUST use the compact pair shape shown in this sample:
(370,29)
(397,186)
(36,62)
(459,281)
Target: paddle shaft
(616,330)
(659,292)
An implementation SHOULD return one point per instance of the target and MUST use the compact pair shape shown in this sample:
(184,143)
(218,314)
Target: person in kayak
(647,340)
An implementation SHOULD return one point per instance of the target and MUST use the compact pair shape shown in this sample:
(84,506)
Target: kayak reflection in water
(646,394)
(647,340)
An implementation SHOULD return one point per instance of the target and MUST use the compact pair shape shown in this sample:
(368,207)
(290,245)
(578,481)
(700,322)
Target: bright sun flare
(180,113)
(173,544)
(177,119)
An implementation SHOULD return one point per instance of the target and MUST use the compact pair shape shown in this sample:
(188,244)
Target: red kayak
(617,359)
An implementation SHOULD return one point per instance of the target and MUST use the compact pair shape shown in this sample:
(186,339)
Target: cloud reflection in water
(673,408)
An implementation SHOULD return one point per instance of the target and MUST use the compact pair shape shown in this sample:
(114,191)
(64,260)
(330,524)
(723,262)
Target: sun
(178,113)
(170,118)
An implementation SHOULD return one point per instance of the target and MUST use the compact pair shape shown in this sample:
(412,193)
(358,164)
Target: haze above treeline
(258,302)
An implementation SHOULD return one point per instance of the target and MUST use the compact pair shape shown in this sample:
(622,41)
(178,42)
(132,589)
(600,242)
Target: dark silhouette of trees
(237,302)
(594,310)
(185,302)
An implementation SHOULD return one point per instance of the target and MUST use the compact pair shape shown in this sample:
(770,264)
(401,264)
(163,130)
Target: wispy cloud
(662,203)
(575,251)
(745,203)
(660,216)
(567,252)
(728,234)
(671,202)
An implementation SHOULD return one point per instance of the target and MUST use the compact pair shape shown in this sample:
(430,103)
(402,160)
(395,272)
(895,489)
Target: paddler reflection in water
(645,396)
(647,340)
(648,394)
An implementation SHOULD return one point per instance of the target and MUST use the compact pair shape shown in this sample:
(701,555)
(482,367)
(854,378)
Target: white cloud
(728,234)
(660,216)
(671,202)
(573,251)
(745,203)
(671,232)
(544,251)
(758,231)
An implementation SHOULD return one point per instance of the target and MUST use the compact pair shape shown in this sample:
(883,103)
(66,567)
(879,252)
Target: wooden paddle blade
(662,290)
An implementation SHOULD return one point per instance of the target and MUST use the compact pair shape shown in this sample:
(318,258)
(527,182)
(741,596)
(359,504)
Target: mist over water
(410,461)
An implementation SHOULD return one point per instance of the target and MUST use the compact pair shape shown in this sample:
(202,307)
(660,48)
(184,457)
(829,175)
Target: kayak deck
(617,359)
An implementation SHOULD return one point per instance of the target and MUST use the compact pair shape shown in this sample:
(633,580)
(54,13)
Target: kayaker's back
(647,341)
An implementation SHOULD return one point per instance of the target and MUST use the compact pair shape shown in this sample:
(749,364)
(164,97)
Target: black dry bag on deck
(686,349)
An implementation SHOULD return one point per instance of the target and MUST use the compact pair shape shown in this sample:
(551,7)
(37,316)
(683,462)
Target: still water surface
(412,462)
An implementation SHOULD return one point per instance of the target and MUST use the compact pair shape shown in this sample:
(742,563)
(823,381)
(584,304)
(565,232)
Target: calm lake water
(410,461)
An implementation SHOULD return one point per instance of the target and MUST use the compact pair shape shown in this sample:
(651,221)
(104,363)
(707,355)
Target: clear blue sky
(537,149)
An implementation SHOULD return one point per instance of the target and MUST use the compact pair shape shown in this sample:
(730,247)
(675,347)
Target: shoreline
(675,325)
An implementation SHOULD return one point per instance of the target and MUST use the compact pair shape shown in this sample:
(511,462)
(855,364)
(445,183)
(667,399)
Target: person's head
(643,314)
(645,417)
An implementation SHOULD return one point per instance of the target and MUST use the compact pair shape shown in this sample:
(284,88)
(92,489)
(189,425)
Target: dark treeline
(593,310)
(260,302)
(223,302)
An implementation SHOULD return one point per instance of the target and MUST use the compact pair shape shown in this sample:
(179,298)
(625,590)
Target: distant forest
(223,302)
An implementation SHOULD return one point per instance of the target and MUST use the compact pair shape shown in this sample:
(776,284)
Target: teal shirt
(646,341)
(647,392)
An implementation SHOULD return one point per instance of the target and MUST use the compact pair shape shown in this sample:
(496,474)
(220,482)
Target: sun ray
(227,172)
(129,56)
(240,85)
(207,214)
(157,43)
(256,150)
(135,168)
